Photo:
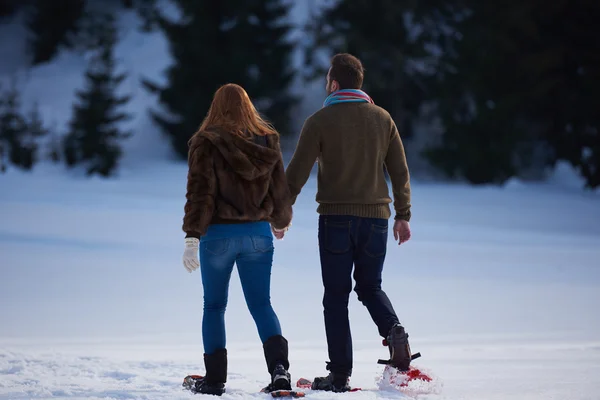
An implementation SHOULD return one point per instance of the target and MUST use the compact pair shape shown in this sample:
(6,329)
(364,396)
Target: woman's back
(236,188)
(233,179)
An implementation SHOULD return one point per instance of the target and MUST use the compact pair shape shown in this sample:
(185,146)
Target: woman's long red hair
(232,110)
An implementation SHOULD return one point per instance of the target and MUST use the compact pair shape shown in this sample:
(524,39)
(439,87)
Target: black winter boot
(397,341)
(216,374)
(334,382)
(276,356)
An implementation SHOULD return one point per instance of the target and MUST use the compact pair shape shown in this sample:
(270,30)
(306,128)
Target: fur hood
(232,179)
(246,158)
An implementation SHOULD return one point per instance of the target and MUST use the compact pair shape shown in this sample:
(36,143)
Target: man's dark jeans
(344,242)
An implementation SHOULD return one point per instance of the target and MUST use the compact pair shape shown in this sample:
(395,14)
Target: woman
(237,198)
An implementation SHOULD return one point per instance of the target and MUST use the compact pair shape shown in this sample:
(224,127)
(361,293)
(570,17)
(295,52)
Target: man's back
(353,143)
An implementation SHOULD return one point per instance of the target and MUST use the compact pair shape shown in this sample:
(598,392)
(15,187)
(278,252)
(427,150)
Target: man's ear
(335,85)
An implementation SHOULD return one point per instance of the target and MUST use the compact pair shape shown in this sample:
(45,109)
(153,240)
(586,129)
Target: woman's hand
(191,260)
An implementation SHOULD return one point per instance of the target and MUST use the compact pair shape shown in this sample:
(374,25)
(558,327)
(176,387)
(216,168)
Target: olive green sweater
(353,143)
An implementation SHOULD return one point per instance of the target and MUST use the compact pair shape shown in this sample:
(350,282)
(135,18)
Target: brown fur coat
(232,179)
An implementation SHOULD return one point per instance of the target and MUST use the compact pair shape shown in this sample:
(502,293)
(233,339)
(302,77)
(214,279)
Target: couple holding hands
(239,195)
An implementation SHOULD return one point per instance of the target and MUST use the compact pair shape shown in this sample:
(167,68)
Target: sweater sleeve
(279,191)
(397,167)
(201,190)
(303,160)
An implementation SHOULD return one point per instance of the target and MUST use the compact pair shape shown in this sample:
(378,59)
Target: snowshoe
(285,393)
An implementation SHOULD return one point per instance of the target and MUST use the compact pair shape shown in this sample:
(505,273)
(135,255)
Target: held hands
(280,233)
(401,231)
(191,261)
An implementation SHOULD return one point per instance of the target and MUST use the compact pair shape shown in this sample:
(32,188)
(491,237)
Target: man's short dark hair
(347,70)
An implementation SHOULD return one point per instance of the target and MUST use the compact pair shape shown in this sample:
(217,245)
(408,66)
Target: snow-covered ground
(498,289)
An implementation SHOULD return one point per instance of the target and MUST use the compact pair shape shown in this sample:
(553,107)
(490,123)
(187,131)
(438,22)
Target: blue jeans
(346,242)
(250,246)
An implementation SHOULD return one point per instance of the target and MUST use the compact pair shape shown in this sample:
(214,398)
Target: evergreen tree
(35,124)
(94,136)
(55,24)
(217,42)
(51,24)
(518,78)
(36,129)
(17,142)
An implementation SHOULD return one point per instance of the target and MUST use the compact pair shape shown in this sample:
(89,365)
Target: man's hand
(401,231)
(190,255)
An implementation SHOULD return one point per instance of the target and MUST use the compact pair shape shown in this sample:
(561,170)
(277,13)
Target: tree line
(511,87)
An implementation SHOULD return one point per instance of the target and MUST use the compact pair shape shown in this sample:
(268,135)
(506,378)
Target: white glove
(190,255)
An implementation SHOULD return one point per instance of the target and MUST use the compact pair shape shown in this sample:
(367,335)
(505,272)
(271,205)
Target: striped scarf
(347,96)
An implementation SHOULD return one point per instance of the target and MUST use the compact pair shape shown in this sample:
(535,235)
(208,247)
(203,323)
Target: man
(354,141)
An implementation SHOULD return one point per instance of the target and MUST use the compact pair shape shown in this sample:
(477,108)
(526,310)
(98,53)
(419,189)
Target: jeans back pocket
(336,236)
(377,242)
(262,244)
(216,247)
